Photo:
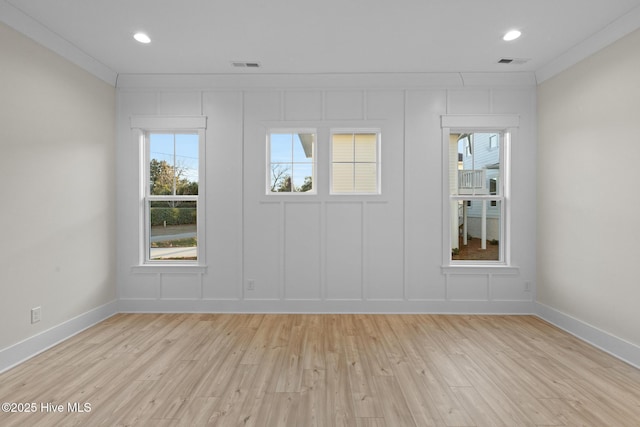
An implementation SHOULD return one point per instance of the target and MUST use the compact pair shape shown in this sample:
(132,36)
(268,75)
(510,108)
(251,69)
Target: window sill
(168,268)
(480,269)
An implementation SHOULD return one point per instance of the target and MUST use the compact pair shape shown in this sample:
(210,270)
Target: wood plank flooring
(322,370)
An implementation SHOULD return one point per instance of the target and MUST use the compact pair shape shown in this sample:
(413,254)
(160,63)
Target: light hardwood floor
(324,370)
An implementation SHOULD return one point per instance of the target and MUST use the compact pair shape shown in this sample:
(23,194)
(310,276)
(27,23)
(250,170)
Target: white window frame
(143,126)
(357,130)
(506,126)
(314,180)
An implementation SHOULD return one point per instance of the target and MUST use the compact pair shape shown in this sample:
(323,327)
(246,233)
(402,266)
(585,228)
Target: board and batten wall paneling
(263,247)
(323,252)
(224,174)
(302,251)
(181,286)
(344,105)
(303,105)
(344,251)
(384,252)
(423,186)
(182,103)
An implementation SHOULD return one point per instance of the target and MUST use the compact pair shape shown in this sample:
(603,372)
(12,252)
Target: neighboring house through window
(355,162)
(477,164)
(291,165)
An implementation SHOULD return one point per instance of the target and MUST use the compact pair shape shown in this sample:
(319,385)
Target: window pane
(342,179)
(342,147)
(161,164)
(366,147)
(354,163)
(291,162)
(474,162)
(173,230)
(280,177)
(477,235)
(161,147)
(302,177)
(366,178)
(186,166)
(173,164)
(281,147)
(303,147)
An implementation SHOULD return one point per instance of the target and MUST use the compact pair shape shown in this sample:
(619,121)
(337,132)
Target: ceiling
(323,36)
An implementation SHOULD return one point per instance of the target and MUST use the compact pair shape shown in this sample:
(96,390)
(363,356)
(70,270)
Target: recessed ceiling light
(511,35)
(142,38)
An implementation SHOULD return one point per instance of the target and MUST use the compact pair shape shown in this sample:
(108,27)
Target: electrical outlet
(36,314)
(251,285)
(527,286)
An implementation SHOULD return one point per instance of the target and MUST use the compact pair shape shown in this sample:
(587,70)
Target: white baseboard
(18,353)
(617,347)
(326,306)
(24,350)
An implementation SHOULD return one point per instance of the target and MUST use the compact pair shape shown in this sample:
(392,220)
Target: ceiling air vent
(246,64)
(514,61)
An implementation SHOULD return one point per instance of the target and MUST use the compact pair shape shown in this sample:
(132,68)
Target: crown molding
(613,32)
(24,24)
(324,80)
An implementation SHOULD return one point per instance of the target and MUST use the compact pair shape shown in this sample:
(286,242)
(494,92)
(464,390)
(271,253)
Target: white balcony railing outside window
(472,181)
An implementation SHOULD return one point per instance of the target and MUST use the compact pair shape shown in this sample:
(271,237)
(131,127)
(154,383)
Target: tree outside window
(172,196)
(291,162)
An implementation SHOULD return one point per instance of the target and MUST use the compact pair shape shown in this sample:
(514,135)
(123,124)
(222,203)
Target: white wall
(326,253)
(589,141)
(57,215)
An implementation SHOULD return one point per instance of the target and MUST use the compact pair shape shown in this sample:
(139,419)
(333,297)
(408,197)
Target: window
(291,161)
(355,165)
(467,148)
(476,197)
(476,210)
(171,200)
(172,190)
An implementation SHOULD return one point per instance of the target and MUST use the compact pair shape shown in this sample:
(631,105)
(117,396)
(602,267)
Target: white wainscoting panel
(303,105)
(344,248)
(467,287)
(322,252)
(384,252)
(302,250)
(181,286)
(344,105)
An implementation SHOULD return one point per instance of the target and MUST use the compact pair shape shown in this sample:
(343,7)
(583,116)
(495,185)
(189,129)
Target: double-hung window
(172,188)
(477,189)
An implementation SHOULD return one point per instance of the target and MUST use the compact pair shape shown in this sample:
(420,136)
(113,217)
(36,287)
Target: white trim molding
(480,121)
(493,269)
(158,123)
(23,23)
(337,80)
(471,307)
(617,347)
(32,346)
(613,32)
